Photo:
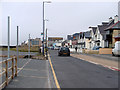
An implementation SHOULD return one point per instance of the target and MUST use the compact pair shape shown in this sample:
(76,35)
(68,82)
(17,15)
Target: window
(98,44)
(98,36)
(35,42)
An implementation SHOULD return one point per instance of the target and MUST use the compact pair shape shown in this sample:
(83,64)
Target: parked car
(64,51)
(116,49)
(51,48)
(56,47)
(96,48)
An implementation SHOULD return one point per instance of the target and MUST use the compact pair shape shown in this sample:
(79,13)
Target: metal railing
(6,71)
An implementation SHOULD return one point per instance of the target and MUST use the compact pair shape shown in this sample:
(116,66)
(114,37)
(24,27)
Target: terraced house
(113,33)
(104,35)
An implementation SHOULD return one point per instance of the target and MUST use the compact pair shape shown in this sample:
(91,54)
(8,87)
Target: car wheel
(68,55)
(59,55)
(113,54)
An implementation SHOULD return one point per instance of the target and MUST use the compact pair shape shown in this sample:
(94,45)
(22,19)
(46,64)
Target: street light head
(47,2)
(46,20)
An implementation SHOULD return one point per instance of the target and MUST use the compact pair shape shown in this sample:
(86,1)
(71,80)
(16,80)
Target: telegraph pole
(43,28)
(17,42)
(46,42)
(8,36)
(29,47)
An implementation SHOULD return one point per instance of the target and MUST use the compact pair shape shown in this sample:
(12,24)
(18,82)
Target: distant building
(36,42)
(69,37)
(55,41)
(33,42)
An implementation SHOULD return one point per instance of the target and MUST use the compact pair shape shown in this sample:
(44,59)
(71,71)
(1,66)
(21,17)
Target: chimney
(110,19)
(116,19)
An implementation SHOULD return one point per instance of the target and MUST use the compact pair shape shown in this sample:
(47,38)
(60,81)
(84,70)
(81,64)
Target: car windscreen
(65,49)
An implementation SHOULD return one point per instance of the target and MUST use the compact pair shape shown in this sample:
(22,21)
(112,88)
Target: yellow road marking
(54,75)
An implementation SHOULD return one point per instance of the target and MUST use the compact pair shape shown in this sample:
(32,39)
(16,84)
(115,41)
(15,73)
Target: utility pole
(46,42)
(29,47)
(43,28)
(44,22)
(8,37)
(17,42)
(8,41)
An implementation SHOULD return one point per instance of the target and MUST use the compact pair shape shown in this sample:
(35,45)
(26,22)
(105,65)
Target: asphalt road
(76,73)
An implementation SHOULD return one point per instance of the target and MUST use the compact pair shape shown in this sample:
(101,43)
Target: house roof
(76,34)
(111,22)
(101,28)
(87,34)
(115,26)
(94,29)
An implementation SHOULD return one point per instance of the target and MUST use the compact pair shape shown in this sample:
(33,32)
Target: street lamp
(44,23)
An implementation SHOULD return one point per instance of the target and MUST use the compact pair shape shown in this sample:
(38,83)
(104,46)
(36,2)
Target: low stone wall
(100,51)
(91,51)
(72,50)
(78,50)
(105,51)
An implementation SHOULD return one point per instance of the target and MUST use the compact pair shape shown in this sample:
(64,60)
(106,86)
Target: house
(75,40)
(81,42)
(113,32)
(87,39)
(92,35)
(99,36)
(69,40)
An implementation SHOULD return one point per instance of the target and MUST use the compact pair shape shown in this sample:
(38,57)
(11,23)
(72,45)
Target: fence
(6,71)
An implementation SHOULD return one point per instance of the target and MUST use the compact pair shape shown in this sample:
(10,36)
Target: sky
(64,18)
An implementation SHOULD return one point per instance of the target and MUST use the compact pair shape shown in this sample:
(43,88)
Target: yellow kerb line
(54,75)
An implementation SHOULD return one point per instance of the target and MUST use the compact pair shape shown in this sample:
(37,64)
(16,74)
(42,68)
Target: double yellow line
(54,75)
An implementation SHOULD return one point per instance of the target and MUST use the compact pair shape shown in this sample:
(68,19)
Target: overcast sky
(64,18)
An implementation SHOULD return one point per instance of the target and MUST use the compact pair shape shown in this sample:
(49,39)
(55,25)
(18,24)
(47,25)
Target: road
(76,73)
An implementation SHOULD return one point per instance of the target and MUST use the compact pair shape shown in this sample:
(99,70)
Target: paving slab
(33,74)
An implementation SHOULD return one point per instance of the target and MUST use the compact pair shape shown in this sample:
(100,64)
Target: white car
(116,49)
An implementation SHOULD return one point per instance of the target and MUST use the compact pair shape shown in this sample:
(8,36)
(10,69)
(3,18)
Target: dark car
(64,51)
(96,48)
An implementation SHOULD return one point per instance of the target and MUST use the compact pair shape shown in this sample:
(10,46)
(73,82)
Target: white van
(116,49)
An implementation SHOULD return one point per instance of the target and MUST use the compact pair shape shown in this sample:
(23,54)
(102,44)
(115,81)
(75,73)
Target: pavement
(77,73)
(113,64)
(103,56)
(33,73)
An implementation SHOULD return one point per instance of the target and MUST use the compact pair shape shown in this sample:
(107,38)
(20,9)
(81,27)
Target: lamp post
(17,42)
(8,37)
(29,47)
(44,23)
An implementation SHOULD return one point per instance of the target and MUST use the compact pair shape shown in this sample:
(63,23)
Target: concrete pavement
(33,74)
(98,60)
